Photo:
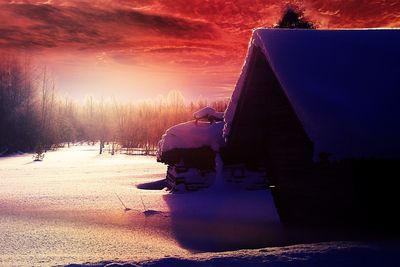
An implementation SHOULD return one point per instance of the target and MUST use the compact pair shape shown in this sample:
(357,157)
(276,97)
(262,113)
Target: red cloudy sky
(143,48)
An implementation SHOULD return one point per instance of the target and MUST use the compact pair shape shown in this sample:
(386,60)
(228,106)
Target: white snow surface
(65,209)
(342,84)
(192,135)
(207,112)
(328,254)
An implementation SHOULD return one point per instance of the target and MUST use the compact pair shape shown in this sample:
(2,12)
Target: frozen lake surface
(65,210)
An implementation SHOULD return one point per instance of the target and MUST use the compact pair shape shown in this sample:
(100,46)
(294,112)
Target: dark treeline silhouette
(34,118)
(18,111)
(293,17)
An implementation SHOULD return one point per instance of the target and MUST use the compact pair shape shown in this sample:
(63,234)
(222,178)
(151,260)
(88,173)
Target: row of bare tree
(34,117)
(18,117)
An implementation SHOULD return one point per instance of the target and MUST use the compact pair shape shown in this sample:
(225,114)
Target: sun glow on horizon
(140,49)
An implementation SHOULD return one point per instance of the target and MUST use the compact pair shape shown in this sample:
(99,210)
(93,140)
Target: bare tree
(32,116)
(17,111)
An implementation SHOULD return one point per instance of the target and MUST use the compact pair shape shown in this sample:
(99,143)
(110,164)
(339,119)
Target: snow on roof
(192,135)
(208,112)
(344,86)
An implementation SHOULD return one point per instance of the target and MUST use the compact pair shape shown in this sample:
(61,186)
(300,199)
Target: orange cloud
(202,43)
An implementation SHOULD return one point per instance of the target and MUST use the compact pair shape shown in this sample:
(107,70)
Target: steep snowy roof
(344,86)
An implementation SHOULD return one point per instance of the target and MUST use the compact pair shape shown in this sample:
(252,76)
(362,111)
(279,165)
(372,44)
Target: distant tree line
(19,118)
(34,118)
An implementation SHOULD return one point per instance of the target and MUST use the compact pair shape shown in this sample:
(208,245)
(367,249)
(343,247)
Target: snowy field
(66,210)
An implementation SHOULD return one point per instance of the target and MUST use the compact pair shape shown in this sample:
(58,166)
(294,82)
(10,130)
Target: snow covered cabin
(320,110)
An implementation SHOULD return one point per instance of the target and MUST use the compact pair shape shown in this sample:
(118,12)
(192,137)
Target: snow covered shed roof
(190,135)
(343,86)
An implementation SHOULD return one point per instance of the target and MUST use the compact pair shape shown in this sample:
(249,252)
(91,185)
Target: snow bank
(342,84)
(192,135)
(208,112)
(224,217)
(331,254)
(231,203)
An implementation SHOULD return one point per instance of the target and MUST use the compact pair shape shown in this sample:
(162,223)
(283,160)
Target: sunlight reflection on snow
(64,209)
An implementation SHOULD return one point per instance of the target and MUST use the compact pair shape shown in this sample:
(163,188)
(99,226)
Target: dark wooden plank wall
(267,131)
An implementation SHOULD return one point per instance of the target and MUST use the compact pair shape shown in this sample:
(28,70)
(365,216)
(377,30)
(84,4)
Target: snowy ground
(333,254)
(65,210)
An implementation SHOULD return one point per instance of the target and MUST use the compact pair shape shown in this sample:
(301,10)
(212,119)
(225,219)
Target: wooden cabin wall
(266,131)
(202,158)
